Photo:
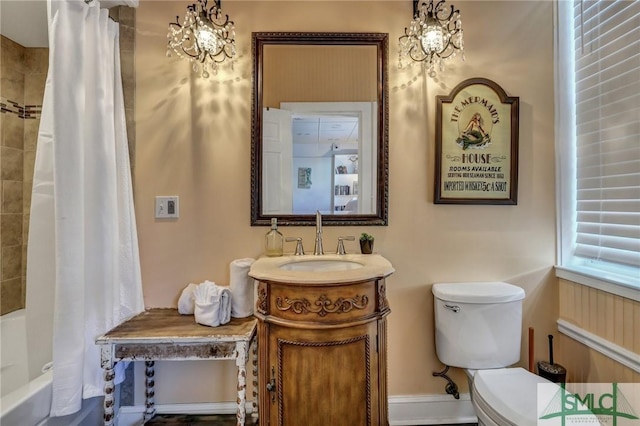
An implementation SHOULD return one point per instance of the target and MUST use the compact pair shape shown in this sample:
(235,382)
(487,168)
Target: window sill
(584,277)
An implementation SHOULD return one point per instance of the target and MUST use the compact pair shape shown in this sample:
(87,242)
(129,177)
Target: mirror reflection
(319,128)
(318,156)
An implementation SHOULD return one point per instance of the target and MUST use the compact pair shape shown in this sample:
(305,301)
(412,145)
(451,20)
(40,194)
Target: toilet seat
(508,396)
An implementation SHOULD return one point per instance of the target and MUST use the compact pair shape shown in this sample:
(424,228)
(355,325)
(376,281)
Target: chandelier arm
(431,8)
(439,14)
(182,48)
(191,55)
(452,28)
(453,32)
(439,5)
(223,24)
(210,12)
(218,57)
(457,46)
(423,55)
(195,55)
(443,55)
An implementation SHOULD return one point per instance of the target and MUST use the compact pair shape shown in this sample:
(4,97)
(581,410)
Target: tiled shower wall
(23,73)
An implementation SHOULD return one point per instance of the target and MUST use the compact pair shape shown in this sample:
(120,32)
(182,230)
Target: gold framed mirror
(319,137)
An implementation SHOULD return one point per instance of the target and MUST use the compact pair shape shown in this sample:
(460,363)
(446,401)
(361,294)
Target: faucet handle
(299,249)
(340,249)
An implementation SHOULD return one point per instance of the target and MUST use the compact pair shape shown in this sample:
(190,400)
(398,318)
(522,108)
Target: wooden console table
(164,334)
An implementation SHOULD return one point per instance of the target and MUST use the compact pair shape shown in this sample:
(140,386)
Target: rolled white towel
(241,285)
(207,304)
(186,302)
(212,304)
(226,299)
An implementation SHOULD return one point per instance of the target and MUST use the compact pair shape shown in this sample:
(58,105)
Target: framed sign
(304,177)
(476,145)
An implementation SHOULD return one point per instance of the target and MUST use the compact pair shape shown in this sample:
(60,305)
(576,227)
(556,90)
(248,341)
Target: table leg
(150,390)
(109,389)
(254,411)
(241,363)
(109,386)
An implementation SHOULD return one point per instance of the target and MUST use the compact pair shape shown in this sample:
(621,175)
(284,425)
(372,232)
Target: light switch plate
(167,207)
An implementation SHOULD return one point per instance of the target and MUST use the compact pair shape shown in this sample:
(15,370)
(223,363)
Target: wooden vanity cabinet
(322,353)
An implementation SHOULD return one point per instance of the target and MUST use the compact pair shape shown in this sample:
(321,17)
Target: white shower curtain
(83,231)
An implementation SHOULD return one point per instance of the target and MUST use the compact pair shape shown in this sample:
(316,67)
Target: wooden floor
(211,420)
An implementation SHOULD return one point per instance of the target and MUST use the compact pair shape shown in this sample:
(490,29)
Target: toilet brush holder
(551,371)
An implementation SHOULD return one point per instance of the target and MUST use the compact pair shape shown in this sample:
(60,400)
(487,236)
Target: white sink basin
(324,269)
(321,265)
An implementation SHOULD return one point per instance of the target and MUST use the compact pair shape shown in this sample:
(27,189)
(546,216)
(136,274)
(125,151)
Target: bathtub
(24,401)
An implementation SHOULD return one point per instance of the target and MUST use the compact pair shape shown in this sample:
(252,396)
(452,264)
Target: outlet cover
(167,207)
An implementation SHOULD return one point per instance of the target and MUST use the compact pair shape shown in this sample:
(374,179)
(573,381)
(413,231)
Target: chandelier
(434,36)
(206,37)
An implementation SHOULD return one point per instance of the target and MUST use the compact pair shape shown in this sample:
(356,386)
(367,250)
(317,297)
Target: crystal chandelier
(206,37)
(434,36)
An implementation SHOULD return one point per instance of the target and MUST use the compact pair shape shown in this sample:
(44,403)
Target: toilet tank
(478,324)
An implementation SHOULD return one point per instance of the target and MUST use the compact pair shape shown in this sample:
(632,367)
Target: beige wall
(193,140)
(315,74)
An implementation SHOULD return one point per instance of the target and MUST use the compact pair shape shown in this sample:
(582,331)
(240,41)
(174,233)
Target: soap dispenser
(274,240)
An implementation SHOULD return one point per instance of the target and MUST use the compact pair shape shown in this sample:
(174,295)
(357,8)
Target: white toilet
(478,328)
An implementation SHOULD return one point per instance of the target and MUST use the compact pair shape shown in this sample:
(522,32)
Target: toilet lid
(477,292)
(509,395)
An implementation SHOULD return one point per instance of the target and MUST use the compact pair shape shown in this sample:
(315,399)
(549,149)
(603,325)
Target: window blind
(607,90)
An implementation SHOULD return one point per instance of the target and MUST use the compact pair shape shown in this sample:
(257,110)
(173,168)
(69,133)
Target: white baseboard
(430,410)
(403,410)
(132,415)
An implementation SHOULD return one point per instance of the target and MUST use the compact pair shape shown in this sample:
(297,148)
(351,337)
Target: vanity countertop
(323,269)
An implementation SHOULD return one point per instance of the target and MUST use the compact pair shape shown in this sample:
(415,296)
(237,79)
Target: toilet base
(483,418)
(504,397)
(482,413)
(481,423)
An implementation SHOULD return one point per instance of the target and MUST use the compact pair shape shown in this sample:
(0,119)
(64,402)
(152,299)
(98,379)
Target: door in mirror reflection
(319,156)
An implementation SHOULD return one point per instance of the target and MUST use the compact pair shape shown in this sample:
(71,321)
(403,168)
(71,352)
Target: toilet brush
(551,371)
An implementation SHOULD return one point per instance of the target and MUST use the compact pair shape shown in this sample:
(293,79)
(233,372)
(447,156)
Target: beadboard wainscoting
(598,340)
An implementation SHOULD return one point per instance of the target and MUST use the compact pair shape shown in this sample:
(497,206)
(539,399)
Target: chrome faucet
(317,249)
(299,248)
(341,249)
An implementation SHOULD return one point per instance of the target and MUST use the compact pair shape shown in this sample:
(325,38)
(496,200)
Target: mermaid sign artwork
(476,145)
(474,135)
